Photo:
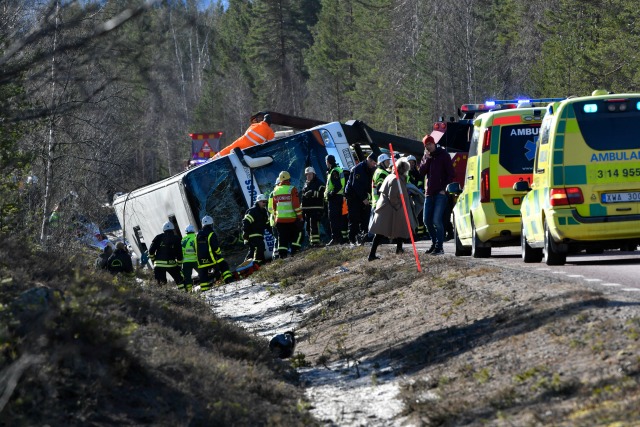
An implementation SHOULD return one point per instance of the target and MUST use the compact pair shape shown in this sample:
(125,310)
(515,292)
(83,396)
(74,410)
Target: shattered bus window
(216,192)
(293,156)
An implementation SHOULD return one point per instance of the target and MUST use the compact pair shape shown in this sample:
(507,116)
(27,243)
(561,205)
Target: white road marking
(610,284)
(593,280)
(543,269)
(559,272)
(575,275)
(631,289)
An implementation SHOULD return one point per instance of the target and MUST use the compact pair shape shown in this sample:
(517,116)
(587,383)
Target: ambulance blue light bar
(504,104)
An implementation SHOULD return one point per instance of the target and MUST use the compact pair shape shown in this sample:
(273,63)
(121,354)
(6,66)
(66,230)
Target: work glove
(245,237)
(331,195)
(308,193)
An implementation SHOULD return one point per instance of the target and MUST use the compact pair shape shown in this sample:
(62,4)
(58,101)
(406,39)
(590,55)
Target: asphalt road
(612,271)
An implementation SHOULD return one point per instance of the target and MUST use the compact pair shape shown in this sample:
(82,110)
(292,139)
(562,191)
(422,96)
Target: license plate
(632,196)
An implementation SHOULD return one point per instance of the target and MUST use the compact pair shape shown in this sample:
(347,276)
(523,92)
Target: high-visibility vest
(329,186)
(283,204)
(189,248)
(378,177)
(258,133)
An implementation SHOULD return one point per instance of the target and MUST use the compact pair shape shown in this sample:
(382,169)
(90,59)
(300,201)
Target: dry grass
(102,351)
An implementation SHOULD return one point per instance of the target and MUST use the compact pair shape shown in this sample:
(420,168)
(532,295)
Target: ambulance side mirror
(521,186)
(454,188)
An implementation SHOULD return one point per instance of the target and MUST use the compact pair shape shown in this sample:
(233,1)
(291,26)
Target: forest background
(99,97)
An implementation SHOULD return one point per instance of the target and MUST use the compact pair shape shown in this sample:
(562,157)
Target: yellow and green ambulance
(487,211)
(585,192)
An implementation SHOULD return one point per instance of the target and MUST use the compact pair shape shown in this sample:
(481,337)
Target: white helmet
(168,226)
(190,229)
(411,157)
(310,169)
(261,198)
(382,157)
(207,220)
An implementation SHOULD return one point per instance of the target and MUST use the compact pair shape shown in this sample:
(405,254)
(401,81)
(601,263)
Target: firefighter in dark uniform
(166,254)
(333,194)
(312,205)
(415,179)
(189,258)
(358,194)
(210,256)
(254,224)
(120,261)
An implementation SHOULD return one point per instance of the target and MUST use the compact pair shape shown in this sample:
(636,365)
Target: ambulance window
(609,125)
(518,147)
(473,147)
(544,132)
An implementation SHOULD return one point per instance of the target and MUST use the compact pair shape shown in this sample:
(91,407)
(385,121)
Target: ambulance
(501,152)
(585,192)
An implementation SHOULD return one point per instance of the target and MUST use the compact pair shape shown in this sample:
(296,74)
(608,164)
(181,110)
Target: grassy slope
(94,350)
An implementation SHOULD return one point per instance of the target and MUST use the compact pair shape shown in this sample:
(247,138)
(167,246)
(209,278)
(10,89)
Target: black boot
(374,247)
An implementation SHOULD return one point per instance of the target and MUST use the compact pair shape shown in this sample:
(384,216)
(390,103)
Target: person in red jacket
(437,168)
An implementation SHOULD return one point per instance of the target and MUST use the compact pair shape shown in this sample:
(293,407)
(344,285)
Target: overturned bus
(225,188)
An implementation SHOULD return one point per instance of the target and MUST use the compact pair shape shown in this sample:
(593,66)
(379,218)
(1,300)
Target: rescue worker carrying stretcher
(210,256)
(166,253)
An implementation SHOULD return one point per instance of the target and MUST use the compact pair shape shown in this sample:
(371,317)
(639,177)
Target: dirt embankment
(466,343)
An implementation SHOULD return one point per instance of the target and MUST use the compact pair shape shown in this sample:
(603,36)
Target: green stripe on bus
(558,175)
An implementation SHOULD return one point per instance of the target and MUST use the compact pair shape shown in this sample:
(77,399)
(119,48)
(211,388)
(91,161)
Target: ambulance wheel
(529,254)
(477,250)
(551,254)
(460,250)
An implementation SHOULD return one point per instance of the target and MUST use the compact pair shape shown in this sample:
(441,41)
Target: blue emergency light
(590,108)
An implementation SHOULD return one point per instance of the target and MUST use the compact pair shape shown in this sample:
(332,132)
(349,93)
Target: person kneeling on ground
(120,261)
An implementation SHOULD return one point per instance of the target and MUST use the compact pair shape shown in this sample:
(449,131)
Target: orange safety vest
(258,133)
(345,209)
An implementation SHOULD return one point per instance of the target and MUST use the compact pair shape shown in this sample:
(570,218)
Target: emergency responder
(210,256)
(254,224)
(120,261)
(381,172)
(189,258)
(359,198)
(416,179)
(312,205)
(285,205)
(258,133)
(166,254)
(333,194)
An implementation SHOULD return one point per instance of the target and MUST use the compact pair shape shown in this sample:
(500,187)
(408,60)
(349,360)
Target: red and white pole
(404,208)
